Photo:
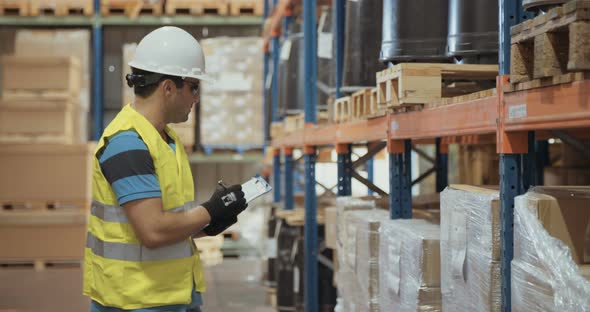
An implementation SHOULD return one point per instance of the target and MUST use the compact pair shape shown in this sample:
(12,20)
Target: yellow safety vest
(120,272)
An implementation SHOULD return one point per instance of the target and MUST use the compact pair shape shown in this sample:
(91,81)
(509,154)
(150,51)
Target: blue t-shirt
(129,168)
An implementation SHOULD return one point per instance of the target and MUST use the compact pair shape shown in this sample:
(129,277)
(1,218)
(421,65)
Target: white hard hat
(171,51)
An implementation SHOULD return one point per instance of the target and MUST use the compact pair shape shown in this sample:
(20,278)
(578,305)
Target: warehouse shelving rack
(98,22)
(514,120)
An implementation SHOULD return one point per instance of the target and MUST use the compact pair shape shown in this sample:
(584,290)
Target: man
(139,253)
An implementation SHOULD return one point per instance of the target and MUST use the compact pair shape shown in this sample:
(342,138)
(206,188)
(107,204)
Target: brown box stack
(551,250)
(45,159)
(470,249)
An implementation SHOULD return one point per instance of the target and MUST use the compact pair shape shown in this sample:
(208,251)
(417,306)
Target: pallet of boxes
(185,130)
(45,159)
(235,99)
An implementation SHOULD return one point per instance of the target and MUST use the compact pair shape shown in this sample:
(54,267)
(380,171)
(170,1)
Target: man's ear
(168,87)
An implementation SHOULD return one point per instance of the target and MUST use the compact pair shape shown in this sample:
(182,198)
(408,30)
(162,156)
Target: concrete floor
(233,285)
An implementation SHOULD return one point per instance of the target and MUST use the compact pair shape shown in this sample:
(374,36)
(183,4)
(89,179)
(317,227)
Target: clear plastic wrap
(409,266)
(345,232)
(236,95)
(544,274)
(363,252)
(470,249)
(353,298)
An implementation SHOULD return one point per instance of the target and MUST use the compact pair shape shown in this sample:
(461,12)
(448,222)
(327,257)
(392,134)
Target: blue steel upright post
(311,226)
(441,165)
(97,61)
(339,37)
(289,181)
(370,165)
(510,13)
(266,61)
(276,168)
(400,179)
(344,152)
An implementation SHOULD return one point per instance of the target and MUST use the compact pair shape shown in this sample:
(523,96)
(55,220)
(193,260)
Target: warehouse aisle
(233,285)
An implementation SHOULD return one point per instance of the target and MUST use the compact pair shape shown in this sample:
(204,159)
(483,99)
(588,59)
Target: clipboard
(255,187)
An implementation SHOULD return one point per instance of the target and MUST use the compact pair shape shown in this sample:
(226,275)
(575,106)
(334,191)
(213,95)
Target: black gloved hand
(216,228)
(225,203)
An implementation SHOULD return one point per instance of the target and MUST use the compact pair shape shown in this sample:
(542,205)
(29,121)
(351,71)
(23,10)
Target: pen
(220,183)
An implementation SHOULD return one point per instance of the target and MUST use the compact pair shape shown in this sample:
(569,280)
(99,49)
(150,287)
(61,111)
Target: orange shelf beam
(564,106)
(470,118)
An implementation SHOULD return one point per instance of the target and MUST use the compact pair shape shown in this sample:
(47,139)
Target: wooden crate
(552,44)
(342,109)
(361,104)
(131,8)
(41,73)
(46,172)
(463,98)
(36,119)
(294,123)
(14,7)
(420,83)
(62,7)
(41,237)
(246,7)
(197,7)
(277,130)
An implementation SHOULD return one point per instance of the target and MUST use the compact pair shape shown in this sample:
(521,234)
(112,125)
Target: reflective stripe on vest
(110,213)
(136,252)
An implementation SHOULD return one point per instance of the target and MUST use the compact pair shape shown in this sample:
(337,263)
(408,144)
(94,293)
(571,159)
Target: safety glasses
(194,87)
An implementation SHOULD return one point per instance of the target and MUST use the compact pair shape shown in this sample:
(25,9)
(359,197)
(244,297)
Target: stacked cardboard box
(470,249)
(357,276)
(551,250)
(45,159)
(573,167)
(348,286)
(409,266)
(232,107)
(65,43)
(185,130)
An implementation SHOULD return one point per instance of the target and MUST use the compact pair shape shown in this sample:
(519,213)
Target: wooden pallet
(14,7)
(361,104)
(420,83)
(548,81)
(271,297)
(62,7)
(211,258)
(245,7)
(196,7)
(131,8)
(462,98)
(231,235)
(294,123)
(552,44)
(342,110)
(47,205)
(38,265)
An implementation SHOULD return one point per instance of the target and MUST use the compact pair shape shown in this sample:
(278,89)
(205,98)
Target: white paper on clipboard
(255,187)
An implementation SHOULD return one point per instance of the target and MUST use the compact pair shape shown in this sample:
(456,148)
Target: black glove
(225,203)
(216,228)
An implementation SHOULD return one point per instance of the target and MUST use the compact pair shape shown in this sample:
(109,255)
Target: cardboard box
(49,235)
(46,172)
(33,120)
(557,176)
(564,216)
(470,248)
(366,251)
(69,43)
(331,224)
(29,73)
